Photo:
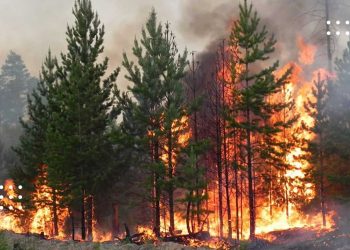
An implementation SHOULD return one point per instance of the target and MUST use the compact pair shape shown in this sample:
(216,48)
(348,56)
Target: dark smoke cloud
(211,21)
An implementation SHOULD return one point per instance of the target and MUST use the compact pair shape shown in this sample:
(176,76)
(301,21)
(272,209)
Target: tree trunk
(227,185)
(116,229)
(89,219)
(83,228)
(198,202)
(219,163)
(235,157)
(228,203)
(250,165)
(171,187)
(321,158)
(250,189)
(270,193)
(237,197)
(72,225)
(54,208)
(188,214)
(241,206)
(287,197)
(157,192)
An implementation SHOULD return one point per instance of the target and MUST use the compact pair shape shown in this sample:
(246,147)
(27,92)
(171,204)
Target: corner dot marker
(337,33)
(328,33)
(337,22)
(328,22)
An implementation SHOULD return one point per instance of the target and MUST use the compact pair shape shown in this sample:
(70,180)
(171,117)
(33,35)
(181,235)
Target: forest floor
(292,239)
(304,239)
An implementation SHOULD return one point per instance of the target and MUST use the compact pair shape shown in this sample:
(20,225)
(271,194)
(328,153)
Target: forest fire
(270,216)
(229,150)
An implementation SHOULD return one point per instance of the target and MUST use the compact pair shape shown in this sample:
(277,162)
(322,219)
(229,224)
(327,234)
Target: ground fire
(239,145)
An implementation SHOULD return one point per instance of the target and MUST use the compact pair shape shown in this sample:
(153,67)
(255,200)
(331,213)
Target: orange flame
(306,51)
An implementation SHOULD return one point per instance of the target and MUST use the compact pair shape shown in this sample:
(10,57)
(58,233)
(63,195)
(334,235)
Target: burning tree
(33,147)
(159,108)
(70,114)
(316,148)
(252,107)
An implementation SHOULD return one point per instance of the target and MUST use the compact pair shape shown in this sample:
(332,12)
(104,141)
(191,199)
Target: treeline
(185,135)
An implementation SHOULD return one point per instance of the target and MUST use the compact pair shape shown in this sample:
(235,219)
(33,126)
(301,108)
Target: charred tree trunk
(157,191)
(228,202)
(89,219)
(218,160)
(235,157)
(115,220)
(72,225)
(54,208)
(250,170)
(193,219)
(171,185)
(227,183)
(322,196)
(188,215)
(195,128)
(236,200)
(241,206)
(270,193)
(286,197)
(83,228)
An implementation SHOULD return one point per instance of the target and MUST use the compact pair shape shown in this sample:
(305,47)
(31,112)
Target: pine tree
(256,86)
(192,178)
(80,150)
(316,148)
(15,84)
(32,147)
(158,107)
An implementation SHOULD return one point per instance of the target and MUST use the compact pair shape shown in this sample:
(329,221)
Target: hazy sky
(30,27)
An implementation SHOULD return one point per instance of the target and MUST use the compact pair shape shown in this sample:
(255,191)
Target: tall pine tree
(316,148)
(32,148)
(158,107)
(80,150)
(256,85)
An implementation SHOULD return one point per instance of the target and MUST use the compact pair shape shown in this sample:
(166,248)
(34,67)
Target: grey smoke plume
(31,27)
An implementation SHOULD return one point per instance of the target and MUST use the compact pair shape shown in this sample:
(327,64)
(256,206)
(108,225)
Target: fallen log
(184,238)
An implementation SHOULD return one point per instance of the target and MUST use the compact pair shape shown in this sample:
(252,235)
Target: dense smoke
(30,28)
(285,19)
